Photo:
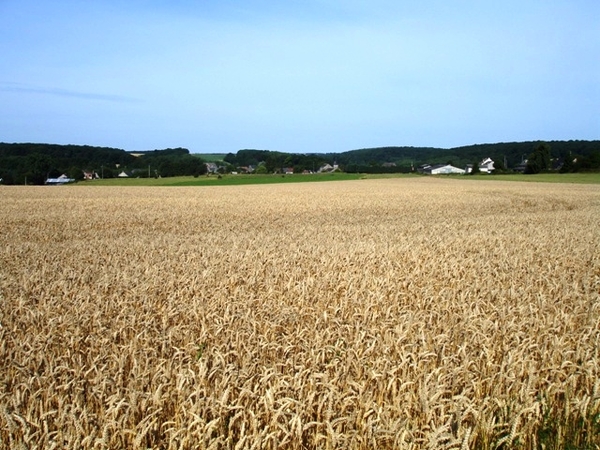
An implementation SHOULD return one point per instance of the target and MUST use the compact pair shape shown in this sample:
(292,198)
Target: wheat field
(417,313)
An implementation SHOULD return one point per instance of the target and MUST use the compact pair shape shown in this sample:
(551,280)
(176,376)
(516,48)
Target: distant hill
(34,163)
(507,155)
(510,153)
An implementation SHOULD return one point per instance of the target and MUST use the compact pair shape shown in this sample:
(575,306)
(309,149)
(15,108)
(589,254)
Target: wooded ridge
(33,163)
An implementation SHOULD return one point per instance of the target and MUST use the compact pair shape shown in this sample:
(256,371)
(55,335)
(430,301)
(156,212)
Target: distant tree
(499,166)
(475,170)
(107,172)
(273,163)
(539,160)
(39,167)
(567,165)
(261,169)
(75,173)
(194,165)
(589,163)
(230,158)
(167,167)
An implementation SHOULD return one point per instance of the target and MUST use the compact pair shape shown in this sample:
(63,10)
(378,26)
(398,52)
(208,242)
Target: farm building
(440,169)
(63,179)
(328,168)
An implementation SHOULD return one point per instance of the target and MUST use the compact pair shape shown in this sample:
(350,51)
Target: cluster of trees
(273,161)
(543,159)
(581,163)
(540,160)
(506,155)
(34,163)
(370,158)
(169,163)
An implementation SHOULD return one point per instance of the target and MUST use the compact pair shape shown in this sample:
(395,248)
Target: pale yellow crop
(401,313)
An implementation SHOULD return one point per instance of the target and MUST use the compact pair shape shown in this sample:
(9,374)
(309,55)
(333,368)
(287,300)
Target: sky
(310,76)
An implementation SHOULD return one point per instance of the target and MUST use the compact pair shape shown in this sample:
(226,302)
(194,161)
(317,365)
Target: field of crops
(396,313)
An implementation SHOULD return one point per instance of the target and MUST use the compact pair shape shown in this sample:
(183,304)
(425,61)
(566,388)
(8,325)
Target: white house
(485,166)
(211,167)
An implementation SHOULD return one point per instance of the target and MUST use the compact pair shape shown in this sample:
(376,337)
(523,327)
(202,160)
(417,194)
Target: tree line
(35,163)
(507,156)
(574,156)
(274,161)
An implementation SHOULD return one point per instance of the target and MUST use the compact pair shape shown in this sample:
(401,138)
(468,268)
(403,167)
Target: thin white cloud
(20,88)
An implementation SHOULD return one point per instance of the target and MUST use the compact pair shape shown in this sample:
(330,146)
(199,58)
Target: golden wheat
(399,313)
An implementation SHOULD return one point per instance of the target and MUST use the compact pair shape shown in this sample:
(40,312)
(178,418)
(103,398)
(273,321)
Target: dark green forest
(507,156)
(275,161)
(34,163)
(573,156)
(29,163)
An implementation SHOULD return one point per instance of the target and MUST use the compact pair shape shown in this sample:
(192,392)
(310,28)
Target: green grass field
(211,157)
(232,180)
(224,180)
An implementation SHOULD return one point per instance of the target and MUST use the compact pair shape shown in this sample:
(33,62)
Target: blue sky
(298,76)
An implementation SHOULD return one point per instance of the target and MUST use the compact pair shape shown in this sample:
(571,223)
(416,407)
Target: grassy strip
(211,157)
(224,180)
(236,180)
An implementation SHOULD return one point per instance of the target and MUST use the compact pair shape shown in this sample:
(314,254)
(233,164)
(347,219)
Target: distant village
(485,166)
(214,168)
